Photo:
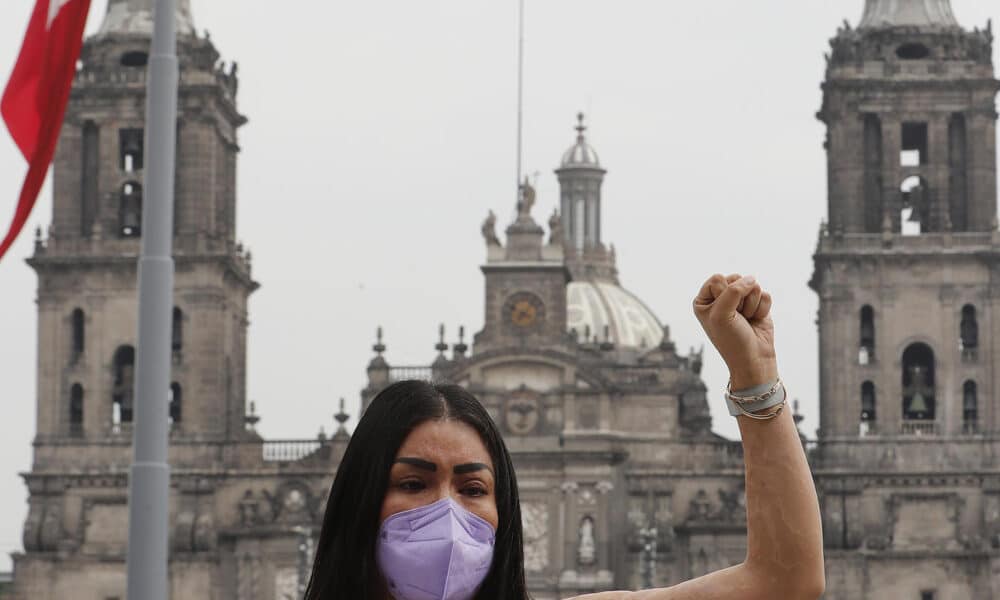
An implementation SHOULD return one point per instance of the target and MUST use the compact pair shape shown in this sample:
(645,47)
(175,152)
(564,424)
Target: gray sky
(381,133)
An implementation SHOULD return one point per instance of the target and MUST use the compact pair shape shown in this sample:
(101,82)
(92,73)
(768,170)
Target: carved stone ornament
(535,522)
(522,413)
(286,584)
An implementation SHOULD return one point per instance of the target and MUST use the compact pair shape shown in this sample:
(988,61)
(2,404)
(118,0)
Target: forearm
(784,531)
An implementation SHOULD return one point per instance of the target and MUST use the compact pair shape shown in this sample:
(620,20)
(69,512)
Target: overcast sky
(381,133)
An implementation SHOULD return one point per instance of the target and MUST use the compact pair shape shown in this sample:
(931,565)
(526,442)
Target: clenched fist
(736,314)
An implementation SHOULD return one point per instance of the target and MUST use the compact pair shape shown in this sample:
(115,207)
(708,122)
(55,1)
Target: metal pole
(520,94)
(149,478)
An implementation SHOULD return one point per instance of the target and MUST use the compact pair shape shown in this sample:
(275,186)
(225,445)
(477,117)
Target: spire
(880,14)
(136,17)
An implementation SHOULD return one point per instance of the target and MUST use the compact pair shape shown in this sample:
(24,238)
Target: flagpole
(520,95)
(149,477)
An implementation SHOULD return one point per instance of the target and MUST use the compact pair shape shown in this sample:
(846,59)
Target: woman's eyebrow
(471,468)
(418,463)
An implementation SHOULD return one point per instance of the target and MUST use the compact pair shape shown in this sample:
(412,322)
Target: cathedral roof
(592,305)
(908,13)
(581,154)
(136,17)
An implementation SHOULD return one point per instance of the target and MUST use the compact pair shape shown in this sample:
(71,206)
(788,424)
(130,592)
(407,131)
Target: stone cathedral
(623,482)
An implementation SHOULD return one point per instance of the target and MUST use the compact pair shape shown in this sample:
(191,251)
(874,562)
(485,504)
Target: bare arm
(784,537)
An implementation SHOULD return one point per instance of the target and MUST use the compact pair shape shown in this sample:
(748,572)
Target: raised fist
(736,314)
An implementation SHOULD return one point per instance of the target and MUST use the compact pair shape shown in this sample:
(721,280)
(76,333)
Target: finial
(321,436)
(252,419)
(379,347)
(580,127)
(607,344)
(796,415)
(341,417)
(461,347)
(441,346)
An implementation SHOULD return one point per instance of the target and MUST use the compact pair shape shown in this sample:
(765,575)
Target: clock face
(524,311)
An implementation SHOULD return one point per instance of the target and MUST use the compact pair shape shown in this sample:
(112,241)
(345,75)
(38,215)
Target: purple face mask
(436,552)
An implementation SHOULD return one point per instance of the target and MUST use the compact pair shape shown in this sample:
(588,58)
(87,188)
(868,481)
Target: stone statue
(701,507)
(248,508)
(489,230)
(203,537)
(587,552)
(555,227)
(526,202)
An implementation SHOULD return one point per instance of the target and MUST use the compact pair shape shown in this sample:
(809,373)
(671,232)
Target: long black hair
(345,567)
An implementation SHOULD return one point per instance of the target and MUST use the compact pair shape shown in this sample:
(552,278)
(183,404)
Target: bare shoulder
(604,596)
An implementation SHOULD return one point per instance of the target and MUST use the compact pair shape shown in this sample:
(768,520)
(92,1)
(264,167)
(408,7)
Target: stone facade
(623,483)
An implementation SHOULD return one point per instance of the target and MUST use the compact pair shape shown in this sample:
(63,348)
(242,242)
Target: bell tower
(907,270)
(86,266)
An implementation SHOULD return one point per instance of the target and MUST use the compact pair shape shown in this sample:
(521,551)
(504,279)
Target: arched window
(175,402)
(76,410)
(915,206)
(130,210)
(918,383)
(78,334)
(867,408)
(177,333)
(866,353)
(970,407)
(122,389)
(969,331)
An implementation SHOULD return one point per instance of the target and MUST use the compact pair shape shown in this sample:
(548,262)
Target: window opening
(868,415)
(78,334)
(970,407)
(135,59)
(914,150)
(915,206)
(177,333)
(866,353)
(123,385)
(918,383)
(175,402)
(76,410)
(130,210)
(131,149)
(913,51)
(969,331)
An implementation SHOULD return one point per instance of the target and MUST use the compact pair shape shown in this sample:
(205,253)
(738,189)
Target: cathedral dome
(592,305)
(581,154)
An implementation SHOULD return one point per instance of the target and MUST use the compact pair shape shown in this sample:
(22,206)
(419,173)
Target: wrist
(744,378)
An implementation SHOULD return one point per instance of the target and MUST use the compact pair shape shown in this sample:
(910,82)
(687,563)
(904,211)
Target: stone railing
(855,243)
(919,428)
(288,450)
(403,373)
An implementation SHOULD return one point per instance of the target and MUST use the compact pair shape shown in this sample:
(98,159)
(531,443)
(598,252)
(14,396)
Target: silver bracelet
(740,400)
(771,395)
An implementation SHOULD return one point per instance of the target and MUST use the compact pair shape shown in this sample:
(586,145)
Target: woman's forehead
(447,440)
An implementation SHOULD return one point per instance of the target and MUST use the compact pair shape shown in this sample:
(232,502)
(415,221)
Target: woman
(425,504)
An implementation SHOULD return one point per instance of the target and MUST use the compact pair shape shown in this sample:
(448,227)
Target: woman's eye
(411,485)
(474,491)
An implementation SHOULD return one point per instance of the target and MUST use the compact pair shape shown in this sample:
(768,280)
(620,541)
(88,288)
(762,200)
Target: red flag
(34,103)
